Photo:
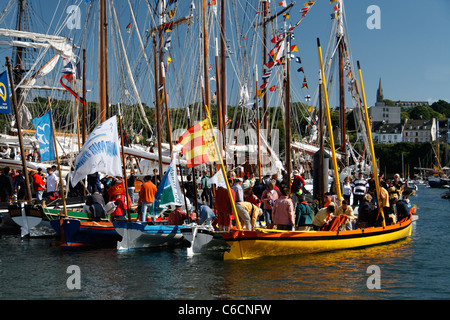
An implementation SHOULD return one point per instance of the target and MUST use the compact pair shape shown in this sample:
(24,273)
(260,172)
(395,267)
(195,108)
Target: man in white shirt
(52,182)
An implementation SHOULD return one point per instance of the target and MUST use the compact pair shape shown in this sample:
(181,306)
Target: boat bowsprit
(265,242)
(203,239)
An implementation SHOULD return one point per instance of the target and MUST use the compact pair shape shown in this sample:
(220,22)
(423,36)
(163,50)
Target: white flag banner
(100,153)
(218,179)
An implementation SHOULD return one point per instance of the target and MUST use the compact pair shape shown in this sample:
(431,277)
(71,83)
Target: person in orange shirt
(146,196)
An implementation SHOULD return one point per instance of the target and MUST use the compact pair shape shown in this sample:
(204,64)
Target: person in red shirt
(249,196)
(177,216)
(38,185)
(224,209)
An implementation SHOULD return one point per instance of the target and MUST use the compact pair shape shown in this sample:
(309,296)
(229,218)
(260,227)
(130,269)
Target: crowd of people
(13,187)
(267,203)
(272,204)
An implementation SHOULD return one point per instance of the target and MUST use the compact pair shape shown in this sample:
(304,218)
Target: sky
(410,52)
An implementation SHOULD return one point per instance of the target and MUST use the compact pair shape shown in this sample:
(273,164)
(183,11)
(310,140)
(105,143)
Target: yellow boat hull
(255,244)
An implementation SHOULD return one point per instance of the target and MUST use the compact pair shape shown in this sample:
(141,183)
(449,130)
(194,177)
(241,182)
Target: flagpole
(61,216)
(224,173)
(19,130)
(258,126)
(372,151)
(330,128)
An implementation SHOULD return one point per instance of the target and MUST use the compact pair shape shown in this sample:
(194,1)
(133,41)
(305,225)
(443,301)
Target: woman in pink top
(268,197)
(283,214)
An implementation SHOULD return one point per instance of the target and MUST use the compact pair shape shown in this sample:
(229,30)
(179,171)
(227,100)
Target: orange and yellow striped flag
(198,144)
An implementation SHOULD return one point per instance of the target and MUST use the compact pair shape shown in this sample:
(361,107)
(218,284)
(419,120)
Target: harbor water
(414,268)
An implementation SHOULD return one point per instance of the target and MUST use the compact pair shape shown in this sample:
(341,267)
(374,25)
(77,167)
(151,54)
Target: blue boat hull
(136,235)
(83,233)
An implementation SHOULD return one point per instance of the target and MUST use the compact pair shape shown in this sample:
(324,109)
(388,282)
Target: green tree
(443,107)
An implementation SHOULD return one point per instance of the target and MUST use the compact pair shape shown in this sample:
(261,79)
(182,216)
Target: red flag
(273,88)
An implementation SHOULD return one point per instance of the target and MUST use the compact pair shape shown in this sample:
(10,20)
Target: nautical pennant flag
(172,12)
(273,88)
(212,3)
(305,84)
(282,3)
(308,98)
(198,144)
(169,191)
(5,103)
(44,136)
(129,28)
(69,78)
(167,43)
(100,153)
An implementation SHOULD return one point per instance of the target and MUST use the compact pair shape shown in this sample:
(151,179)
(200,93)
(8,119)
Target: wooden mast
(321,150)
(166,102)
(372,151)
(341,49)
(84,126)
(223,89)
(102,60)
(288,114)
(329,125)
(19,129)
(62,214)
(258,126)
(157,99)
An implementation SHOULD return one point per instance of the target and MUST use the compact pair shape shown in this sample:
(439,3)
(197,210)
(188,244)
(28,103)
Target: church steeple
(380,96)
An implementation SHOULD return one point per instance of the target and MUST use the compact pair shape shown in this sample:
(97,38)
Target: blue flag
(5,105)
(44,135)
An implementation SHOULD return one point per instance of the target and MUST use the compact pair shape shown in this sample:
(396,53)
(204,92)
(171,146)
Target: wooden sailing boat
(264,242)
(271,242)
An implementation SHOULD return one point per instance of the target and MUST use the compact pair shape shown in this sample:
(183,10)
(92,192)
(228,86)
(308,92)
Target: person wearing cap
(323,216)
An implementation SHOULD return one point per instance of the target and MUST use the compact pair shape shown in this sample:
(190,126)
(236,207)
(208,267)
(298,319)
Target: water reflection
(334,275)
